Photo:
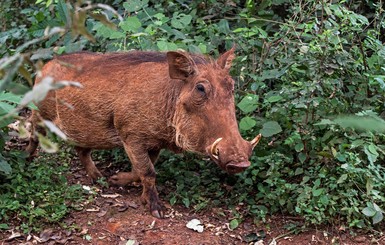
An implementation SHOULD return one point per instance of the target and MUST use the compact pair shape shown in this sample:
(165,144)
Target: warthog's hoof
(94,174)
(117,180)
(123,178)
(156,207)
(158,214)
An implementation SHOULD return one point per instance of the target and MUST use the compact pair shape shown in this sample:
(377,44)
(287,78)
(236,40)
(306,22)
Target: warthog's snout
(237,167)
(232,158)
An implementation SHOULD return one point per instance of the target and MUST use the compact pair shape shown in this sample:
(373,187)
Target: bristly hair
(130,58)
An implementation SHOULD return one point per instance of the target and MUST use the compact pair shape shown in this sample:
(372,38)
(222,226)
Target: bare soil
(116,216)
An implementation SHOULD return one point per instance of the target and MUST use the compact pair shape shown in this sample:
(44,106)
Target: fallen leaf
(110,195)
(101,213)
(132,204)
(37,239)
(195,225)
(46,235)
(13,236)
(121,207)
(88,237)
(151,226)
(273,242)
(129,242)
(84,231)
(93,209)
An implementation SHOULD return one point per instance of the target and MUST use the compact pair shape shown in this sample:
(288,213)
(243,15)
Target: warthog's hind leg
(33,140)
(85,159)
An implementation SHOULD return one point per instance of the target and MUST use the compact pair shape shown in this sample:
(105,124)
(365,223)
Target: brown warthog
(145,102)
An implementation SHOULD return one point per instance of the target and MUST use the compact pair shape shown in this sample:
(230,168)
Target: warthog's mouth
(236,167)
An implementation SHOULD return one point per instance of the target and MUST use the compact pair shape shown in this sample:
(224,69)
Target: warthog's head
(204,118)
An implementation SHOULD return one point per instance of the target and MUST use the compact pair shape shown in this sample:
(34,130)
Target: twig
(113,233)
(282,236)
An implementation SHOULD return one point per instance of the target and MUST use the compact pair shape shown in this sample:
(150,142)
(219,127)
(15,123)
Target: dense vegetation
(310,77)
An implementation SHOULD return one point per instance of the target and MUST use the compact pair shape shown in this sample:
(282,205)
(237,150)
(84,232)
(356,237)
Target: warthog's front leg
(143,170)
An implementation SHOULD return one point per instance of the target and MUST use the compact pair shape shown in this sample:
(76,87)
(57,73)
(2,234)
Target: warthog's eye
(200,88)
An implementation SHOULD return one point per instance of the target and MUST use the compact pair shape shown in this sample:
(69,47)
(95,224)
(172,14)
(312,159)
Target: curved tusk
(214,150)
(255,141)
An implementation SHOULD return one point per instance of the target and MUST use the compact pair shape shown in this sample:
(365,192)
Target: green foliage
(37,193)
(310,79)
(317,65)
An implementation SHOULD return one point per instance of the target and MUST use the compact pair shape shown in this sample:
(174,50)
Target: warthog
(145,102)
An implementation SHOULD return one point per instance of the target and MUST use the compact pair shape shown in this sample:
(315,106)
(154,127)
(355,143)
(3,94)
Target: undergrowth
(37,194)
(309,77)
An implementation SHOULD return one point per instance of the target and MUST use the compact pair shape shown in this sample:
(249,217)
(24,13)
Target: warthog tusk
(214,150)
(255,141)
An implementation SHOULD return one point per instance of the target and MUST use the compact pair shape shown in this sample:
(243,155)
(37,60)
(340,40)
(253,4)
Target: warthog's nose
(238,167)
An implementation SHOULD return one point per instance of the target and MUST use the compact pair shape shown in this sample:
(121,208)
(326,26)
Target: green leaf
(233,224)
(377,208)
(62,10)
(371,153)
(377,218)
(299,147)
(342,178)
(116,35)
(270,128)
(6,108)
(172,200)
(317,192)
(186,202)
(4,226)
(298,171)
(166,46)
(369,212)
(274,98)
(317,183)
(180,21)
(369,186)
(5,167)
(223,26)
(47,145)
(131,24)
(274,73)
(247,123)
(134,5)
(302,157)
(249,103)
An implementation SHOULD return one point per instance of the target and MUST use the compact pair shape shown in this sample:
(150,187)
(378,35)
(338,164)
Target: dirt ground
(116,216)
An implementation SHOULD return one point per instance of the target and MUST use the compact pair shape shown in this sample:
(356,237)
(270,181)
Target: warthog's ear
(180,65)
(226,59)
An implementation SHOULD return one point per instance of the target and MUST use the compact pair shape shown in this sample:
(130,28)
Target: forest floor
(116,216)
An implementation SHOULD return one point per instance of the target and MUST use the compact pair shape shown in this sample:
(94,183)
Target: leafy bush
(310,78)
(37,194)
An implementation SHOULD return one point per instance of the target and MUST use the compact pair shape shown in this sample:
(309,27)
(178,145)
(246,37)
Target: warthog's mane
(132,57)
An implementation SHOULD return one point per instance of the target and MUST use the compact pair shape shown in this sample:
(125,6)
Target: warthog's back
(122,91)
